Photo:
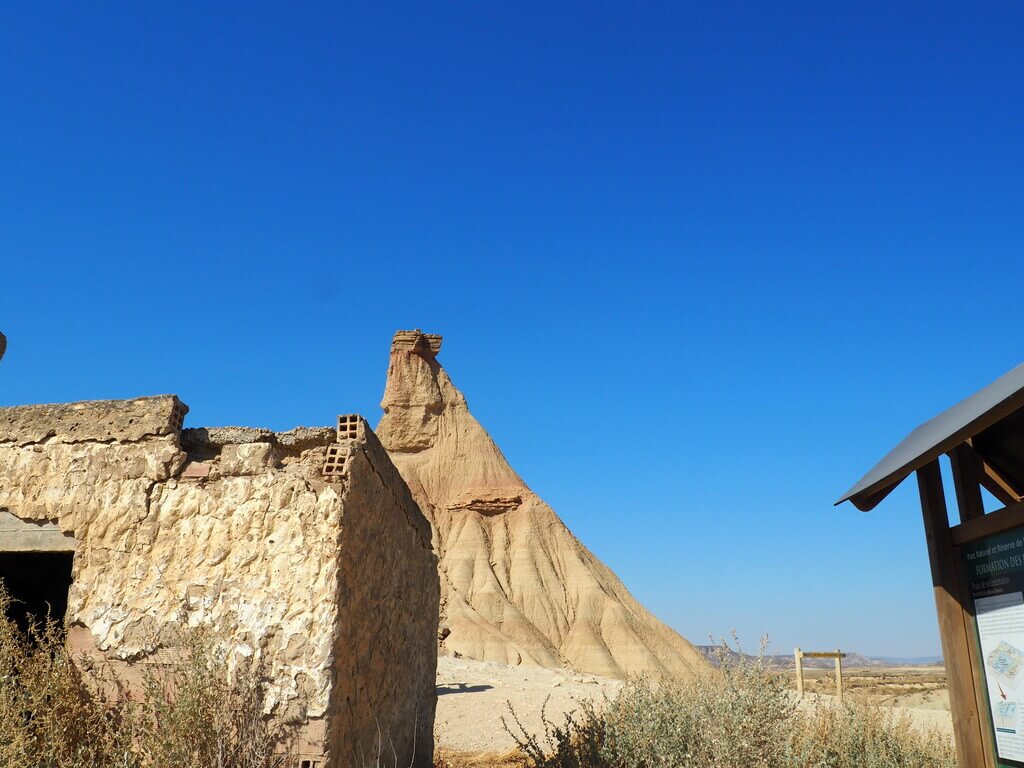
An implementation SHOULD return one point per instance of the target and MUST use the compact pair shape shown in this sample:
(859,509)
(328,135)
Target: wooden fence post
(839,675)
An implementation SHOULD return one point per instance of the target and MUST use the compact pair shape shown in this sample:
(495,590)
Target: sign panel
(994,569)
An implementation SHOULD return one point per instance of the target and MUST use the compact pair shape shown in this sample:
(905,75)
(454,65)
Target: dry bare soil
(908,687)
(475,701)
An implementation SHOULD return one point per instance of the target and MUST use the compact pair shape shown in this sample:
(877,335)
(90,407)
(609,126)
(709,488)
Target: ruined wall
(237,528)
(390,570)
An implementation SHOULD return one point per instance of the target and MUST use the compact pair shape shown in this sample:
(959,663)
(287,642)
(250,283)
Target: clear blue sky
(698,266)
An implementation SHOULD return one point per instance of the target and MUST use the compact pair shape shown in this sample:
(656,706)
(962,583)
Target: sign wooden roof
(977,419)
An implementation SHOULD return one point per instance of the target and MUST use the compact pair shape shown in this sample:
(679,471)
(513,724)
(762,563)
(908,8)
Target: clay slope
(516,586)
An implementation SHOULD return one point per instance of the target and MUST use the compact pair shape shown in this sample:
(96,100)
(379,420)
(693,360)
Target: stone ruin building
(304,548)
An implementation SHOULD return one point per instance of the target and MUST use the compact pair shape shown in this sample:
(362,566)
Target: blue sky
(697,267)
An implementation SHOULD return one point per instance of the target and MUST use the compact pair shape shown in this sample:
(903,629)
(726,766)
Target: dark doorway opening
(38,584)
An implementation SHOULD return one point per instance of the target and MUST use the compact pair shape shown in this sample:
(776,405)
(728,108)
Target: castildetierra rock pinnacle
(516,586)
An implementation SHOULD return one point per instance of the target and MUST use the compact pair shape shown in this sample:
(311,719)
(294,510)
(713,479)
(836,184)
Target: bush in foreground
(197,714)
(740,714)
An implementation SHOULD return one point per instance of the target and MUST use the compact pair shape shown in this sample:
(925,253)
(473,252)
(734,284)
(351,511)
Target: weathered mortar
(332,584)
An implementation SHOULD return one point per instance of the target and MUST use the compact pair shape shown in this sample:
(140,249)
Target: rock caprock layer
(516,586)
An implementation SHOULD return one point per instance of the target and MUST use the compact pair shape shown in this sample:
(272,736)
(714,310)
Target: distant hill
(715,653)
(915,661)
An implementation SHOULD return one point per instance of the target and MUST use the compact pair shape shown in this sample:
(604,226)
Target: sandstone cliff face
(330,581)
(516,586)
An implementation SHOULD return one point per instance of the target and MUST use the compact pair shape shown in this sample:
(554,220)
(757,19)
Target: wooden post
(799,672)
(967,472)
(839,675)
(953,627)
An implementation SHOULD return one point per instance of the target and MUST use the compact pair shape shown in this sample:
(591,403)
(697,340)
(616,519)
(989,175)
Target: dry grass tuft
(58,714)
(51,713)
(445,758)
(740,714)
(200,713)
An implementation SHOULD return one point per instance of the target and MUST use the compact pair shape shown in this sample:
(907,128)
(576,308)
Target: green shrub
(738,714)
(865,736)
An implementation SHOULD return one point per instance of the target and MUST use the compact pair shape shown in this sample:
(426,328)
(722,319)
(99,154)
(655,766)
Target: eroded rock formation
(328,577)
(516,586)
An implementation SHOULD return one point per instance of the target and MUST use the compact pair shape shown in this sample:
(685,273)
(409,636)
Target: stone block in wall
(246,459)
(93,420)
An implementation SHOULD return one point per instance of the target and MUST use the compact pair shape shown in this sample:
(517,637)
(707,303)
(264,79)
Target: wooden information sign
(993,571)
(977,564)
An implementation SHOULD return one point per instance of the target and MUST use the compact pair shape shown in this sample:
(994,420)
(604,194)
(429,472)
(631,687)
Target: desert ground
(474,698)
(919,688)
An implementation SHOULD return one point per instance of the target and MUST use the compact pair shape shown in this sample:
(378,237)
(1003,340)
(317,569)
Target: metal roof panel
(938,436)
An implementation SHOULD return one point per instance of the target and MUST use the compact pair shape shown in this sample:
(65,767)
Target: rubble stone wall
(390,571)
(328,584)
